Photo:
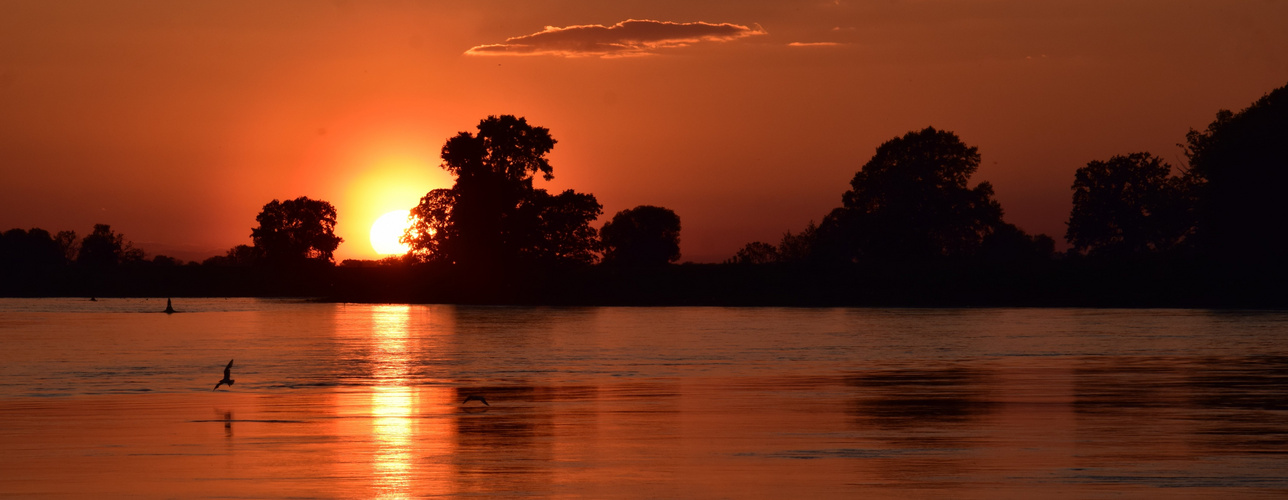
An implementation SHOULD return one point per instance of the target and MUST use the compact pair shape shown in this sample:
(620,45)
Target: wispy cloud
(627,38)
(815,44)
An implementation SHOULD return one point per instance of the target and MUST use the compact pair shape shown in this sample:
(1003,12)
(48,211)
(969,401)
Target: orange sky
(176,121)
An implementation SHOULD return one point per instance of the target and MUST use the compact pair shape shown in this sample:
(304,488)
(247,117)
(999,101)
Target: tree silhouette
(505,148)
(165,261)
(104,248)
(31,259)
(642,236)
(1128,205)
(911,201)
(433,231)
(798,247)
(35,248)
(792,248)
(296,230)
(1240,168)
(66,241)
(493,215)
(756,252)
(562,231)
(238,256)
(1010,245)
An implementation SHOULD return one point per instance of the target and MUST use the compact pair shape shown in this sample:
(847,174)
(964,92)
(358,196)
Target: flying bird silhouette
(228,379)
(475,397)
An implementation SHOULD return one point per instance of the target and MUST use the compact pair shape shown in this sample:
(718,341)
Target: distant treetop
(296,230)
(912,201)
(104,248)
(1128,205)
(642,236)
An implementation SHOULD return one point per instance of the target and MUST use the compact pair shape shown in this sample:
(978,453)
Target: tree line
(911,229)
(1140,231)
(912,202)
(491,220)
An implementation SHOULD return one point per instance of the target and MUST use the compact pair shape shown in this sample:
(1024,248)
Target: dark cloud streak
(628,38)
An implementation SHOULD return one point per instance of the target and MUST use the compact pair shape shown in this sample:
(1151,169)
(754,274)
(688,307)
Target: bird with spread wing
(228,378)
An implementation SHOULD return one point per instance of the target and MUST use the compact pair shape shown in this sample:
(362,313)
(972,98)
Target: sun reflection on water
(393,403)
(412,435)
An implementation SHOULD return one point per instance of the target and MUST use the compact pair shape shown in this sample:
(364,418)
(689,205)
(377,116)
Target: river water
(113,399)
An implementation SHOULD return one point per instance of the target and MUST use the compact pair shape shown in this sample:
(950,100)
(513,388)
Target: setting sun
(386,231)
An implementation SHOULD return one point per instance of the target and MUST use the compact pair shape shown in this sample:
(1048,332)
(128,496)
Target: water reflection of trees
(522,319)
(911,398)
(1150,409)
(537,439)
(932,412)
(510,447)
(517,426)
(1249,395)
(1126,411)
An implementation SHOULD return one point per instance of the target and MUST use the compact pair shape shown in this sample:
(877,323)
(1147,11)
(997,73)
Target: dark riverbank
(1067,283)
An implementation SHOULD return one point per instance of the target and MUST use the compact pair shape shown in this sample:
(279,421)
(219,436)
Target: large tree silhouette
(1240,163)
(562,232)
(911,201)
(29,259)
(1128,205)
(35,248)
(433,232)
(642,236)
(294,231)
(105,248)
(493,215)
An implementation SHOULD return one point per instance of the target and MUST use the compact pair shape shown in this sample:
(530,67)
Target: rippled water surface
(111,398)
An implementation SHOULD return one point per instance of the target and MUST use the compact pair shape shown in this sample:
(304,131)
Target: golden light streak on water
(392,403)
(411,424)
